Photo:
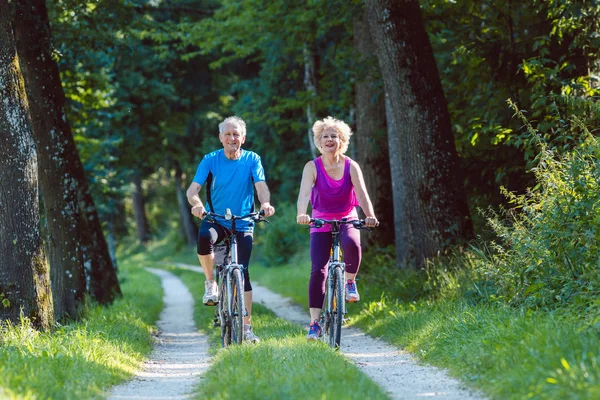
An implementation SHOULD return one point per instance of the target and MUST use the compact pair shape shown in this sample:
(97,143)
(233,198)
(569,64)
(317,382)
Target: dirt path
(393,369)
(181,354)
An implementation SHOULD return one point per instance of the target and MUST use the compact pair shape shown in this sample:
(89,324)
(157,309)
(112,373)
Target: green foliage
(550,237)
(282,238)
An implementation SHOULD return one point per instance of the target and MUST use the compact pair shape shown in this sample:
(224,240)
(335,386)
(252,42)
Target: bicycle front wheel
(337,308)
(225,322)
(237,306)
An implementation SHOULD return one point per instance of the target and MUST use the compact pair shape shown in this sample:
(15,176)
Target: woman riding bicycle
(334,185)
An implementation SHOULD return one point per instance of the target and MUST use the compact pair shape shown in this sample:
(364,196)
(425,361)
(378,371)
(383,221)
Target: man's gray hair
(234,120)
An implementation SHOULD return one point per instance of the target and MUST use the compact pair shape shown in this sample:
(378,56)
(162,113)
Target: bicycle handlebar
(358,223)
(256,216)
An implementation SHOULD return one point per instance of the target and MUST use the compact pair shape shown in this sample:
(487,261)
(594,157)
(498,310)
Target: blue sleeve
(258,173)
(202,172)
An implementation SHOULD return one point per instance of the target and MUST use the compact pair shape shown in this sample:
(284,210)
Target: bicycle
(334,307)
(229,275)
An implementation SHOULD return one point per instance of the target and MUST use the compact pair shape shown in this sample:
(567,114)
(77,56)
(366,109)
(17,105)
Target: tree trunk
(436,206)
(102,283)
(187,224)
(24,275)
(139,209)
(310,84)
(371,136)
(53,140)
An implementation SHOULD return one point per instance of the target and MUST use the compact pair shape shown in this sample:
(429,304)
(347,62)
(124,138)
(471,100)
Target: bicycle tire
(337,308)
(237,307)
(223,315)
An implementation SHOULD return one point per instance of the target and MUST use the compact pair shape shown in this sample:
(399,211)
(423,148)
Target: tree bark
(187,224)
(310,84)
(371,135)
(52,137)
(24,276)
(435,203)
(55,132)
(139,209)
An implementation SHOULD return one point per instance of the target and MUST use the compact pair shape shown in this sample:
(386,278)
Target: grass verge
(79,360)
(507,353)
(282,366)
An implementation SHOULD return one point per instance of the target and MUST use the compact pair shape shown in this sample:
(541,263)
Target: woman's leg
(320,247)
(350,238)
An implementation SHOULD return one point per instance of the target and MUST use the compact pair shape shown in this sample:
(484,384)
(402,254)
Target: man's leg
(248,301)
(244,240)
(207,237)
(207,264)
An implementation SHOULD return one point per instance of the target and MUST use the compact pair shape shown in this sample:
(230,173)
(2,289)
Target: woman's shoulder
(353,164)
(311,165)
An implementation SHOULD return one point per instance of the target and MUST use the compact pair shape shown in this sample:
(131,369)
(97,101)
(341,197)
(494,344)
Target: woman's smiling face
(330,141)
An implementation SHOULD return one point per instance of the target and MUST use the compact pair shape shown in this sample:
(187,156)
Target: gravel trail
(393,369)
(181,354)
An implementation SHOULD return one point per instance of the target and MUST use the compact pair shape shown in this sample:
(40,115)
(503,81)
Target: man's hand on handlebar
(198,211)
(268,209)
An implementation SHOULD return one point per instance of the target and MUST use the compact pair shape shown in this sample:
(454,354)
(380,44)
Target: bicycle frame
(229,276)
(334,266)
(334,308)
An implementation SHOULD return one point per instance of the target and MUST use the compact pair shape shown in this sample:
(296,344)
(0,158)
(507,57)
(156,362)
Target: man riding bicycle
(228,175)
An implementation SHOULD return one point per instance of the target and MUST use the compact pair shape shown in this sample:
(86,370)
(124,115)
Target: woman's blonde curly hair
(340,126)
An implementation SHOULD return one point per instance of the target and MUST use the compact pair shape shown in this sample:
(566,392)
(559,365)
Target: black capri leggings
(212,233)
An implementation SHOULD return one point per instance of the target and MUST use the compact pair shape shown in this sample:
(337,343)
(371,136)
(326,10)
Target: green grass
(507,353)
(80,360)
(282,366)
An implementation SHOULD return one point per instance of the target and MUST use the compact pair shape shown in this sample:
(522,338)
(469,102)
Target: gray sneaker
(211,293)
(249,336)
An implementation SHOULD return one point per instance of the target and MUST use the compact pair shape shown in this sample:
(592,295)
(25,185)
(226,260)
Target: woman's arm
(361,194)
(308,179)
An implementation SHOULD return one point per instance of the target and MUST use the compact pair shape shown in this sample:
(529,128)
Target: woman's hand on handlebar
(198,211)
(303,219)
(371,222)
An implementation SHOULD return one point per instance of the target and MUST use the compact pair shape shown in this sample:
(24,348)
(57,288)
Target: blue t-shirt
(232,183)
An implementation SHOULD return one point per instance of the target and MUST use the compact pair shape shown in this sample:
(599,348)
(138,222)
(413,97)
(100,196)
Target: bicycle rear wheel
(337,308)
(237,307)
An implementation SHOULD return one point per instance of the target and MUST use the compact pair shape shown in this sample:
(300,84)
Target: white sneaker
(249,336)
(211,293)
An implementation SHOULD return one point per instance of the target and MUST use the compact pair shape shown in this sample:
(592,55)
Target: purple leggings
(320,247)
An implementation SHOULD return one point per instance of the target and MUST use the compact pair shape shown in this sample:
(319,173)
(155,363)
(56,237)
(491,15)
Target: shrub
(548,253)
(282,238)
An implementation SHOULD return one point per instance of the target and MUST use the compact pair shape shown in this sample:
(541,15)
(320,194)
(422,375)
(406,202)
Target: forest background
(144,84)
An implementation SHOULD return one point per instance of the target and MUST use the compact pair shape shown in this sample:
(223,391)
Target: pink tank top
(332,199)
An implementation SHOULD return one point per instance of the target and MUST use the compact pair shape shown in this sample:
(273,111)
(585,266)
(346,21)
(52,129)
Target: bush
(282,238)
(549,250)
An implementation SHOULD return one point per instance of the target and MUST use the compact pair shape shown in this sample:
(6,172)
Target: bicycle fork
(334,269)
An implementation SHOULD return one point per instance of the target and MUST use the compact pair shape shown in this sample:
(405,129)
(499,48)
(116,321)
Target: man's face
(231,138)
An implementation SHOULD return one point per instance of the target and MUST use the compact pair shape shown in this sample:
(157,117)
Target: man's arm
(264,196)
(193,197)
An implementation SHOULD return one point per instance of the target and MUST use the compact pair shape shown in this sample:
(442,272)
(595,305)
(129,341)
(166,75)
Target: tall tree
(139,208)
(77,240)
(24,275)
(433,199)
(371,134)
(55,157)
